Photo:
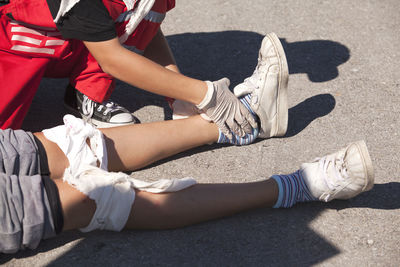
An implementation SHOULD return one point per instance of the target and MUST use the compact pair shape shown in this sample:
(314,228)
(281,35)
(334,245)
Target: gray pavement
(344,86)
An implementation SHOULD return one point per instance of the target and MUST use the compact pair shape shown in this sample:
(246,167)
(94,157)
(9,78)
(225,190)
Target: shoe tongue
(253,79)
(331,171)
(334,170)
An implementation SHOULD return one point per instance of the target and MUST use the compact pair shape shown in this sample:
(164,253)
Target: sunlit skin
(135,146)
(159,211)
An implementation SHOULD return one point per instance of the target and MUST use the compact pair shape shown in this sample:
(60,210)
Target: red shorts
(29,53)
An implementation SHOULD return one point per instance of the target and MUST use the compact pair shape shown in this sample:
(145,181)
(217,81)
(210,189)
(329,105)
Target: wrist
(208,96)
(198,91)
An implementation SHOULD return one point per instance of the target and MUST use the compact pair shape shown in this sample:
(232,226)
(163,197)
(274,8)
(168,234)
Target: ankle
(248,138)
(292,190)
(207,130)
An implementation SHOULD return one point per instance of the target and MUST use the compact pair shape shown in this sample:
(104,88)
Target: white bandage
(72,139)
(114,194)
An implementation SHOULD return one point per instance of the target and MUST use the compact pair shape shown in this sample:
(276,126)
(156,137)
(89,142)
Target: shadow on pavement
(233,54)
(301,115)
(319,59)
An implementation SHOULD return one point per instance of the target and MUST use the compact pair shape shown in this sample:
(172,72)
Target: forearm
(145,74)
(214,99)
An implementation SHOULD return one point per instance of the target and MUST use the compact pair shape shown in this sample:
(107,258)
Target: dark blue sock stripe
(290,191)
(285,192)
(246,101)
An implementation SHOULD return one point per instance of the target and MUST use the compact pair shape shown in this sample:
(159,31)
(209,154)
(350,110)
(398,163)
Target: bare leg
(173,210)
(77,208)
(134,146)
(199,203)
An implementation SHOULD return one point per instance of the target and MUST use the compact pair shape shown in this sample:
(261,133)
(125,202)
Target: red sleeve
(170,4)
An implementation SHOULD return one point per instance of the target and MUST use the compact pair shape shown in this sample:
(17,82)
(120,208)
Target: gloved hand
(230,115)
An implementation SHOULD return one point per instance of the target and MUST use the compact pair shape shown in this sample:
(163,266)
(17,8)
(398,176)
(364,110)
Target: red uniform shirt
(31,47)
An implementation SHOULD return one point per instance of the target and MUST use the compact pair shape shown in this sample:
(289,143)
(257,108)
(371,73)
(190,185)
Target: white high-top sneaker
(341,175)
(268,88)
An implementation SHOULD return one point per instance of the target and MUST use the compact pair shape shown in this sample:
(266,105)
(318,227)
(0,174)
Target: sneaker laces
(109,107)
(253,81)
(339,171)
(89,105)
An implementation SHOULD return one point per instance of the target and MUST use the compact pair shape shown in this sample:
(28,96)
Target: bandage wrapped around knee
(72,139)
(114,194)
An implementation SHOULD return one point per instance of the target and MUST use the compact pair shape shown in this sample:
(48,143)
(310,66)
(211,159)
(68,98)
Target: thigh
(77,208)
(57,161)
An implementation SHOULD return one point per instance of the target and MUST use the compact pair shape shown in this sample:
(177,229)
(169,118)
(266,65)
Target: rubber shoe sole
(281,122)
(275,125)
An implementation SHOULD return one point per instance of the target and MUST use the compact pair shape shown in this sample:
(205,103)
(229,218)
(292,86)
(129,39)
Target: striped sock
(292,189)
(248,138)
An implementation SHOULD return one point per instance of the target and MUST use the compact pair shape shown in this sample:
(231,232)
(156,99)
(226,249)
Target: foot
(182,110)
(103,115)
(341,175)
(268,88)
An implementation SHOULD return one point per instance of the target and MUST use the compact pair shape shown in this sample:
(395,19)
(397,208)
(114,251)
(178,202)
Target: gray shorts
(25,213)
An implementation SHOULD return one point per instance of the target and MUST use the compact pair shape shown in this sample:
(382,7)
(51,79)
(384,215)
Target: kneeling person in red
(83,40)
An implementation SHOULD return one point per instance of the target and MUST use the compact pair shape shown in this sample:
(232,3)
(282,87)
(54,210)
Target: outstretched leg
(173,210)
(341,175)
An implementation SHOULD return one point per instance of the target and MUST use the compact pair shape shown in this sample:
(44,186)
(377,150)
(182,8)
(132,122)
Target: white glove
(230,115)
